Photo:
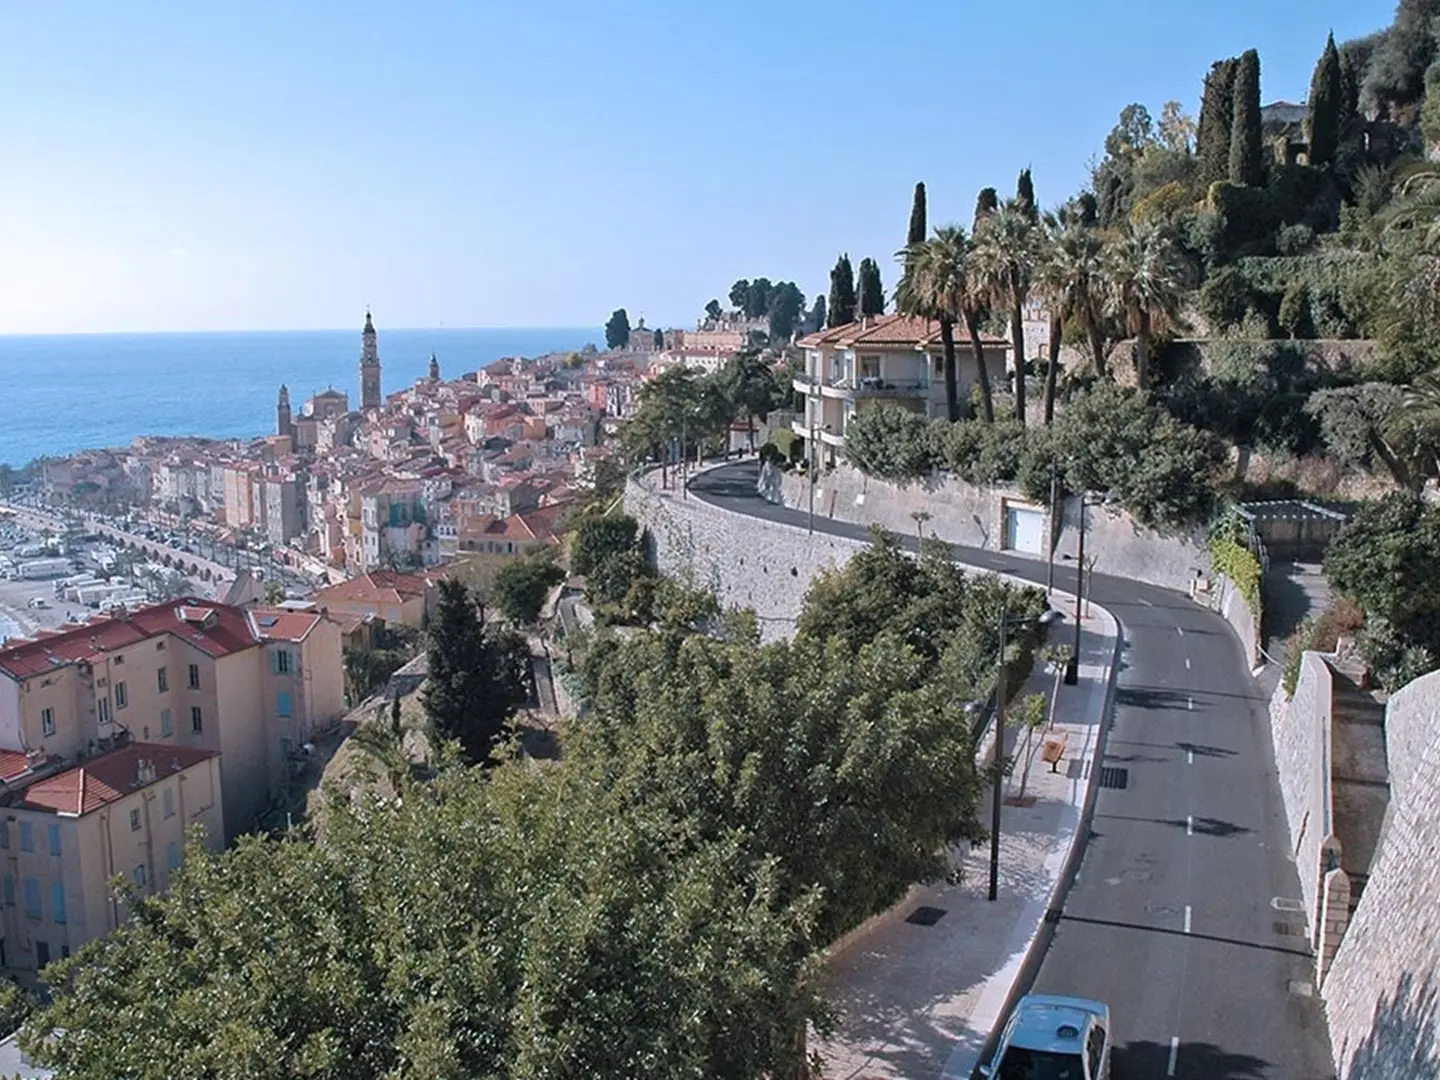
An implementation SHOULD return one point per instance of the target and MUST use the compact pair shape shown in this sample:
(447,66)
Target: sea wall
(1382,988)
(974,516)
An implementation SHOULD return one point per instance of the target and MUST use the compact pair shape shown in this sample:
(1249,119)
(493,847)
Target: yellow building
(398,599)
(63,836)
(253,685)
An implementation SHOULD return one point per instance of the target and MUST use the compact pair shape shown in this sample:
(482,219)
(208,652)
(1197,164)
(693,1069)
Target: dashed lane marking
(1187,918)
(1180,630)
(1174,1053)
(1187,663)
(1189,825)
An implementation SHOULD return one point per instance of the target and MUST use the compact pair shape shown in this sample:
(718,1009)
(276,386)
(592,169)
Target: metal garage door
(1025,530)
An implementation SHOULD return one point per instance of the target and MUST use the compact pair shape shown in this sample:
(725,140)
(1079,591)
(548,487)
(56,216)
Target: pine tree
(986,203)
(476,678)
(617,330)
(1322,122)
(872,292)
(1247,160)
(916,235)
(1025,195)
(840,308)
(1217,110)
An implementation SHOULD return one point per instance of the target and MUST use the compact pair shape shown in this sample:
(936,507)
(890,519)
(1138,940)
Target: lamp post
(813,467)
(997,795)
(1050,544)
(1072,665)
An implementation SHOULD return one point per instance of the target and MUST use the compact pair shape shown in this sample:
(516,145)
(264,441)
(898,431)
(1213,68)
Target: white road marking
(1189,825)
(1187,918)
(1174,1053)
(1187,663)
(1180,630)
(1189,704)
(1147,603)
(1189,757)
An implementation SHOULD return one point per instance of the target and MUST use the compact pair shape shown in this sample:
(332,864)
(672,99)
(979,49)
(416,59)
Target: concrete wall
(1383,990)
(974,516)
(1300,731)
(1232,606)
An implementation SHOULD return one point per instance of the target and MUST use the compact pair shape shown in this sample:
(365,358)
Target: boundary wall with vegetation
(975,516)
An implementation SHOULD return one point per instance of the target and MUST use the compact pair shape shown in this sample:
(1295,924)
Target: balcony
(829,438)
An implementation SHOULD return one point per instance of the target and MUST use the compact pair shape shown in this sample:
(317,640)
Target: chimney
(145,771)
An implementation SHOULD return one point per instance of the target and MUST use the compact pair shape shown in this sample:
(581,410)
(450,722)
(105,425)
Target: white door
(1025,530)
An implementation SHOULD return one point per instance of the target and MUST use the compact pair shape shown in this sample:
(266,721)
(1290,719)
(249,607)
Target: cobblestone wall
(1381,992)
(974,516)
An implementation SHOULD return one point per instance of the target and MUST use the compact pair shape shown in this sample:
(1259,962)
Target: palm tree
(1145,279)
(1009,247)
(935,285)
(752,387)
(1071,279)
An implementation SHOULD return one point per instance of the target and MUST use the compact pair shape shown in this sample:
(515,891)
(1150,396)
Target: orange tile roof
(213,628)
(283,624)
(900,330)
(109,778)
(378,586)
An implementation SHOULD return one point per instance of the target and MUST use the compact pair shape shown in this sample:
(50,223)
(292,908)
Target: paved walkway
(920,1002)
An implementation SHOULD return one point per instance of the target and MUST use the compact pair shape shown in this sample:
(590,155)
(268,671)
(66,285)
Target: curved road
(1171,918)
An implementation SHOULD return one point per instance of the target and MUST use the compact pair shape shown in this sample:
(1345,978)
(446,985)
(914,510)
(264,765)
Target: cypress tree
(1247,155)
(872,293)
(1217,110)
(916,235)
(1025,195)
(1322,122)
(986,203)
(840,308)
(1349,90)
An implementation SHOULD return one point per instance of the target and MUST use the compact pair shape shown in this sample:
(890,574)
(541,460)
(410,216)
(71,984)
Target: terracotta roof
(542,524)
(13,763)
(109,778)
(215,629)
(282,624)
(899,330)
(379,586)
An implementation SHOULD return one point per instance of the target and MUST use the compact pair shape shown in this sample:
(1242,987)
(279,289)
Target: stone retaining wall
(974,516)
(1300,730)
(1383,989)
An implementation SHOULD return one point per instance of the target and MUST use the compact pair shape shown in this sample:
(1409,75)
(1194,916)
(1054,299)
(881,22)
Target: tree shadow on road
(1193,1061)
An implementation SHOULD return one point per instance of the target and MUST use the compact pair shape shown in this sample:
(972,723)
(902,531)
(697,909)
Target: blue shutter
(54,839)
(57,901)
(32,898)
(172,855)
(283,704)
(27,836)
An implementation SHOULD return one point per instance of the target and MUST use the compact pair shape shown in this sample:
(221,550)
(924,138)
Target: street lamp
(1072,665)
(813,467)
(998,793)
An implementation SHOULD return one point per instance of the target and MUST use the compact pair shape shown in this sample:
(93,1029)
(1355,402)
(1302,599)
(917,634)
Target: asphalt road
(1171,919)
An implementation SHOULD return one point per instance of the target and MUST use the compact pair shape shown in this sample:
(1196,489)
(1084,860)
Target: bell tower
(283,424)
(369,367)
(434,368)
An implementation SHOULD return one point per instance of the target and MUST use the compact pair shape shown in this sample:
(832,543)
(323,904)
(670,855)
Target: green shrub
(892,443)
(1231,554)
(981,453)
(1294,239)
(1225,298)
(1249,217)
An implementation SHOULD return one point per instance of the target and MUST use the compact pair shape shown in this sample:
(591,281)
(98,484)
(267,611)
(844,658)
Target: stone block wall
(974,516)
(1234,608)
(1298,729)
(747,564)
(1382,990)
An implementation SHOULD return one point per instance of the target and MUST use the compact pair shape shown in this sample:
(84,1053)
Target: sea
(62,393)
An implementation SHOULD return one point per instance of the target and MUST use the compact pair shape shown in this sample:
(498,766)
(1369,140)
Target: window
(162,681)
(160,645)
(140,876)
(172,855)
(166,727)
(9,891)
(168,800)
(197,723)
(282,705)
(54,831)
(64,952)
(42,954)
(4,834)
(194,676)
(280,662)
(122,698)
(57,901)
(134,820)
(27,836)
(32,898)
(47,721)
(119,659)
(103,704)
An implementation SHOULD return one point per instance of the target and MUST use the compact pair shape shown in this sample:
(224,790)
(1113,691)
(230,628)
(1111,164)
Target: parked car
(1049,1037)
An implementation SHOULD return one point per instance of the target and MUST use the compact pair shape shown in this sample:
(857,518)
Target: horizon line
(279,330)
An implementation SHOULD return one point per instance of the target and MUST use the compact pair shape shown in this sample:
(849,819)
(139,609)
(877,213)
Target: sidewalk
(919,1002)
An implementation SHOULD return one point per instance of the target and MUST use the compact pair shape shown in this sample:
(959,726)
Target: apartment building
(64,835)
(251,685)
(887,359)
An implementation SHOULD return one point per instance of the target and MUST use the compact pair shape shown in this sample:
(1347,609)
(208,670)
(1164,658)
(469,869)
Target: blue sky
(183,166)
